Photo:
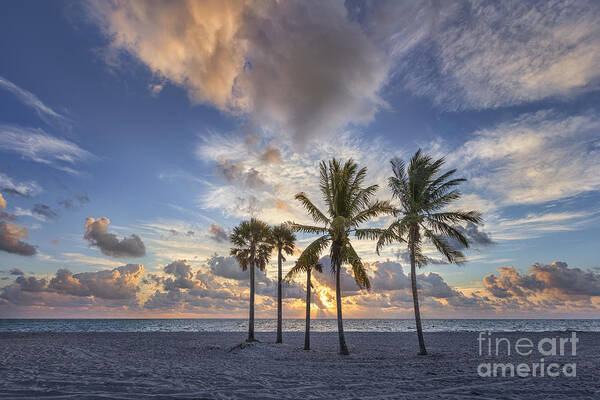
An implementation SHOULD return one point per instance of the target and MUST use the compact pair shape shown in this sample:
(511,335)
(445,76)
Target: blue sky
(134,136)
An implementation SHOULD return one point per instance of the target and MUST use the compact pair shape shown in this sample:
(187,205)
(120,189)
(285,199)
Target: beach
(209,365)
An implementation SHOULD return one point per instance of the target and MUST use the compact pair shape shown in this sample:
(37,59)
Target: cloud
(184,277)
(2,202)
(36,145)
(10,239)
(271,155)
(75,202)
(44,211)
(247,57)
(118,283)
(227,267)
(96,233)
(16,271)
(30,100)
(217,233)
(534,158)
(117,287)
(25,189)
(474,235)
(476,55)
(543,284)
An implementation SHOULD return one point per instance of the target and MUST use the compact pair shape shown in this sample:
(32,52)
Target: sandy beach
(203,365)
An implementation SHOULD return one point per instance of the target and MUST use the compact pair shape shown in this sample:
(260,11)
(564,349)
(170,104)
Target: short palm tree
(252,249)
(308,268)
(424,192)
(283,240)
(349,205)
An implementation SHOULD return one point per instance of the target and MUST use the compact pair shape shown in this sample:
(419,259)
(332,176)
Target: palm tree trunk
(338,302)
(413,281)
(279,334)
(307,329)
(251,316)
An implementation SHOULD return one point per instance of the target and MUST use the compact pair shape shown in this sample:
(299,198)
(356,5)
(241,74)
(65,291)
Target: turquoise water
(294,325)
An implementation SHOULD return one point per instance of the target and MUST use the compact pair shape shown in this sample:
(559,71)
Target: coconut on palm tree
(424,193)
(307,266)
(348,205)
(283,240)
(252,249)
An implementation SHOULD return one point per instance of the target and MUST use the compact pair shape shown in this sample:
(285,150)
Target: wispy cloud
(8,185)
(31,100)
(36,145)
(475,55)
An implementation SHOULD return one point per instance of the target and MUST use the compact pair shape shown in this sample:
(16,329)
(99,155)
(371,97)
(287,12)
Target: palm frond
(358,269)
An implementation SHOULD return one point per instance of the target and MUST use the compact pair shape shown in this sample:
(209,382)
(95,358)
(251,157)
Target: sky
(135,135)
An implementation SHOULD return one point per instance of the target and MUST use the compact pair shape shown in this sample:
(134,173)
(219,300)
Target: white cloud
(30,188)
(30,100)
(536,158)
(475,55)
(38,146)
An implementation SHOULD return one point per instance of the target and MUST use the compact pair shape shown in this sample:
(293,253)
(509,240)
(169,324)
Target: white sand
(198,365)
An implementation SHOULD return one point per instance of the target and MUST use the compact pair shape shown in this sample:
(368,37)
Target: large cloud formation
(555,282)
(303,68)
(96,232)
(116,287)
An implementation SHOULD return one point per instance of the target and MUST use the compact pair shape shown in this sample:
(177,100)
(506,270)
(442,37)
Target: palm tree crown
(424,192)
(252,244)
(348,205)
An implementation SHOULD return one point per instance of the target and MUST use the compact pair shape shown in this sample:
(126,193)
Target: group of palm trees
(421,193)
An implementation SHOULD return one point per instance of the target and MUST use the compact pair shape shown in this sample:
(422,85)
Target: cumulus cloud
(118,287)
(118,283)
(11,236)
(217,233)
(2,202)
(96,233)
(555,281)
(36,145)
(25,189)
(16,271)
(246,57)
(474,55)
(184,277)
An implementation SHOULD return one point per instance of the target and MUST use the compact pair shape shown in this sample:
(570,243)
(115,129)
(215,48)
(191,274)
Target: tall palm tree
(252,249)
(283,240)
(308,268)
(349,204)
(424,192)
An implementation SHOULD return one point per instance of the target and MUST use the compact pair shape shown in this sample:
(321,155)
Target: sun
(326,298)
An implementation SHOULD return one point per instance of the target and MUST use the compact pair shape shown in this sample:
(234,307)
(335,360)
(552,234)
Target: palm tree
(283,240)
(424,192)
(349,204)
(297,269)
(252,249)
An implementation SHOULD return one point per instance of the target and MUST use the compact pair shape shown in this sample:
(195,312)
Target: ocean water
(295,325)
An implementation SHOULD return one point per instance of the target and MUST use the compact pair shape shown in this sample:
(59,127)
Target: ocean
(296,325)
